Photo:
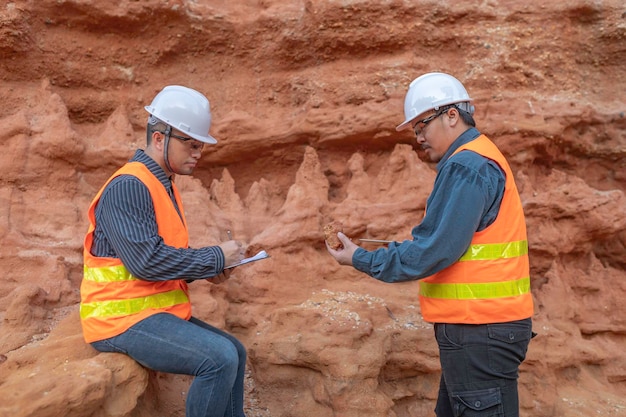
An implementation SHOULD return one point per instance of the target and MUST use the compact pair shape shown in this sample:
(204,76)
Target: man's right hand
(234,251)
(343,255)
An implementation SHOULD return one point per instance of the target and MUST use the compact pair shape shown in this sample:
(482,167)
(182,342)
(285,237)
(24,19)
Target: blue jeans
(480,365)
(166,343)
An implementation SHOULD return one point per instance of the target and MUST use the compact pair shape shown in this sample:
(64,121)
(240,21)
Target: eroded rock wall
(305,97)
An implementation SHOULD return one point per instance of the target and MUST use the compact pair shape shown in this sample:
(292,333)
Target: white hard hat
(432,91)
(185,110)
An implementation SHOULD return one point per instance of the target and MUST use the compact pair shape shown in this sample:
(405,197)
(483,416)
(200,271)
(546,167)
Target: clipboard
(261,255)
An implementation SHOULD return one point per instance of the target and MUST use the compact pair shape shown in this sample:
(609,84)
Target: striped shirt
(126,229)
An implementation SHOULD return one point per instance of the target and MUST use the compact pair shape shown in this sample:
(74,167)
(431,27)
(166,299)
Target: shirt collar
(465,137)
(155,169)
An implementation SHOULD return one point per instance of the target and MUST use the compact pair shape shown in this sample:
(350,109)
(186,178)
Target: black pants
(480,366)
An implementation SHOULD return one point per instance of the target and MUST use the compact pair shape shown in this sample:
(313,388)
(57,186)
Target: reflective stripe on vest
(476,291)
(489,251)
(108,274)
(133,305)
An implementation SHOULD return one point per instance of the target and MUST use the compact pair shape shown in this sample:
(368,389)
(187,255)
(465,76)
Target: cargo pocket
(481,403)
(507,347)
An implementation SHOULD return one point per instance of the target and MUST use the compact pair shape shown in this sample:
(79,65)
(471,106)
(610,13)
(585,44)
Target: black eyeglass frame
(424,122)
(199,146)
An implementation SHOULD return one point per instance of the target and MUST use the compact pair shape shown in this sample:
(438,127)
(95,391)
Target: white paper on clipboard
(261,255)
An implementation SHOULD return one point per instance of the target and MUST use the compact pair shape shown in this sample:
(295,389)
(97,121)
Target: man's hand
(218,279)
(343,255)
(234,251)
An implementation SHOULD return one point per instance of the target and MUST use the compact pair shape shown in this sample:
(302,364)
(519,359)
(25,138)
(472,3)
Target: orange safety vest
(112,299)
(490,283)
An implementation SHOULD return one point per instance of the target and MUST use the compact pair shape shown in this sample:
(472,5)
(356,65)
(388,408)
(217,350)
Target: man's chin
(423,155)
(429,156)
(185,171)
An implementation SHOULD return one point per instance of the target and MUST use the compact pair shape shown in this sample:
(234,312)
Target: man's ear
(158,139)
(453,115)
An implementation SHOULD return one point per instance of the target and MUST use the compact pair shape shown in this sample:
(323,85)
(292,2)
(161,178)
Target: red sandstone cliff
(306,95)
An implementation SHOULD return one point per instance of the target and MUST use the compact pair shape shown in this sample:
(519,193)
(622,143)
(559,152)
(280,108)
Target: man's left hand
(218,279)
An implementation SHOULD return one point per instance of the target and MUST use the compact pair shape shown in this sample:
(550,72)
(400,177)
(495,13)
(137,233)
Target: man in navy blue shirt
(470,253)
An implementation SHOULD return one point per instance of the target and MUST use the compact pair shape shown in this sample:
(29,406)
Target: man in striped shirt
(134,294)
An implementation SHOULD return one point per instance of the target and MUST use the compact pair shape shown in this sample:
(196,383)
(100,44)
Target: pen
(230,237)
(376,240)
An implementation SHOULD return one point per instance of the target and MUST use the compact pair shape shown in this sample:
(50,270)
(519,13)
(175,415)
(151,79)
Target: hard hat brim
(404,125)
(206,139)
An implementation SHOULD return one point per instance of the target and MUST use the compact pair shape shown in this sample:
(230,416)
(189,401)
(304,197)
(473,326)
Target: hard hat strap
(166,147)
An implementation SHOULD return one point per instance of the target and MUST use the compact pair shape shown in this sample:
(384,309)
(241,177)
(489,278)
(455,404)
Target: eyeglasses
(194,145)
(420,125)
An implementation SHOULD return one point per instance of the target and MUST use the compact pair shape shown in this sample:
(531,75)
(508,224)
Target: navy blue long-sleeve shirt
(466,198)
(126,228)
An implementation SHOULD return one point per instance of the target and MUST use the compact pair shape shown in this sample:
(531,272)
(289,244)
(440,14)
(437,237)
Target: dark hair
(467,117)
(154,125)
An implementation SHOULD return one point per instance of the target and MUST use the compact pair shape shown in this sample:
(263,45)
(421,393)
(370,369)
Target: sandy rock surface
(305,97)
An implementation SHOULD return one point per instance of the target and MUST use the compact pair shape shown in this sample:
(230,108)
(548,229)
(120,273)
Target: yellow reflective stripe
(108,274)
(475,291)
(132,305)
(496,251)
